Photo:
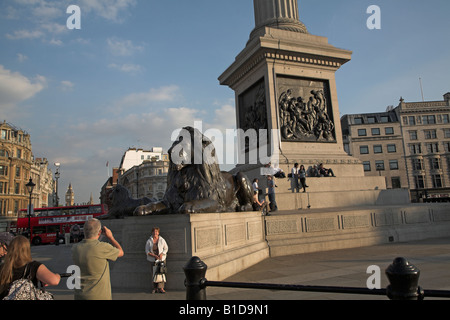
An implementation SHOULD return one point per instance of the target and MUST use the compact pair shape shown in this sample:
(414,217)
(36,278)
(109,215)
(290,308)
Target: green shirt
(92,256)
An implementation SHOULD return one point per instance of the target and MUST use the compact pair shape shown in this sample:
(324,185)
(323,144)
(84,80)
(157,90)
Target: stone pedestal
(228,243)
(284,82)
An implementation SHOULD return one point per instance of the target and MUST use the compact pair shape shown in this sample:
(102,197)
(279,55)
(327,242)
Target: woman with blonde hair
(18,264)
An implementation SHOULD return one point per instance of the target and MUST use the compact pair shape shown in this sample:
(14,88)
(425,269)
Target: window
(418,180)
(432,147)
(396,184)
(364,150)
(447,133)
(445,118)
(447,146)
(415,148)
(384,119)
(19,153)
(17,172)
(3,187)
(417,164)
(358,121)
(393,164)
(377,149)
(17,188)
(437,181)
(366,165)
(4,154)
(413,135)
(391,148)
(435,163)
(3,170)
(412,120)
(371,119)
(362,132)
(428,119)
(347,148)
(430,134)
(4,134)
(389,130)
(375,131)
(379,165)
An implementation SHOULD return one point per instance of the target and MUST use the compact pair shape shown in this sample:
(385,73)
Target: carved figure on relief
(303,120)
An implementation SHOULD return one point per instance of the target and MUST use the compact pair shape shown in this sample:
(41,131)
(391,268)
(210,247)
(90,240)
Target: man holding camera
(91,256)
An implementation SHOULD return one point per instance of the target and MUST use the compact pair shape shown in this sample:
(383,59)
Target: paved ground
(342,268)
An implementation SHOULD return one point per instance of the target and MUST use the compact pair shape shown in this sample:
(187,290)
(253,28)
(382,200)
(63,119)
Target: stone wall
(231,242)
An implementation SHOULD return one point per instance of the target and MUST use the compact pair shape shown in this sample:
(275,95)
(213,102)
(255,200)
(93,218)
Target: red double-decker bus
(49,223)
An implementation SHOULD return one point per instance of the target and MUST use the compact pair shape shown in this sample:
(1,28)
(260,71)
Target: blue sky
(139,69)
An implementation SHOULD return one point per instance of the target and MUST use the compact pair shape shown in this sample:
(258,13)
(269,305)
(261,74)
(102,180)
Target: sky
(137,70)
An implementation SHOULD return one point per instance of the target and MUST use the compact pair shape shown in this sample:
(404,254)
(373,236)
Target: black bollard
(195,272)
(404,279)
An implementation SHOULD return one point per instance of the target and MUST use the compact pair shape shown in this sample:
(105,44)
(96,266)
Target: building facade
(426,136)
(134,157)
(44,191)
(376,139)
(15,169)
(409,145)
(17,166)
(148,179)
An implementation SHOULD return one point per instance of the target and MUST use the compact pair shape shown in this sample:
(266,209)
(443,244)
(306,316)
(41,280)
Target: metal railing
(403,278)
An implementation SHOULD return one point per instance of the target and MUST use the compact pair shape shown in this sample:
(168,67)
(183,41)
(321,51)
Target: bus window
(95,209)
(82,211)
(52,229)
(39,230)
(54,212)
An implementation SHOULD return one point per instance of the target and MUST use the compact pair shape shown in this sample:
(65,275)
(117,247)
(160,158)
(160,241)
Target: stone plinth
(231,242)
(227,243)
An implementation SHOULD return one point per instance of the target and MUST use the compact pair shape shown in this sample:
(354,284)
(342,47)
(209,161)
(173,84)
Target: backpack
(24,289)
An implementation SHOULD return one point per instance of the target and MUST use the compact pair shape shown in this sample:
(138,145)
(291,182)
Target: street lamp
(30,186)
(57,174)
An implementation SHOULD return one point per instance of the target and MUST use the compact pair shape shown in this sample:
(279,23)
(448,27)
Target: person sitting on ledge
(262,206)
(323,172)
(313,172)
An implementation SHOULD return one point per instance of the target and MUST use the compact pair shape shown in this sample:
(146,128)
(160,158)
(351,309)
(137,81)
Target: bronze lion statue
(195,183)
(122,204)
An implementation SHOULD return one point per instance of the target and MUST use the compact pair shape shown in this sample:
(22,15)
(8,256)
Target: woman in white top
(156,250)
(294,179)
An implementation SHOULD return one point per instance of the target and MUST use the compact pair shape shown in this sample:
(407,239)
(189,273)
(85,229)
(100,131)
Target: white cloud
(140,99)
(16,88)
(21,57)
(123,48)
(126,68)
(107,9)
(67,85)
(25,34)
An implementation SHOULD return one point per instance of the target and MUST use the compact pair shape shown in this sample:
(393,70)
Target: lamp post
(30,186)
(57,174)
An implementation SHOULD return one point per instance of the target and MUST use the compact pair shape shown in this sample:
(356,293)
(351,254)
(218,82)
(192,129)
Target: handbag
(161,268)
(159,272)
(24,289)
